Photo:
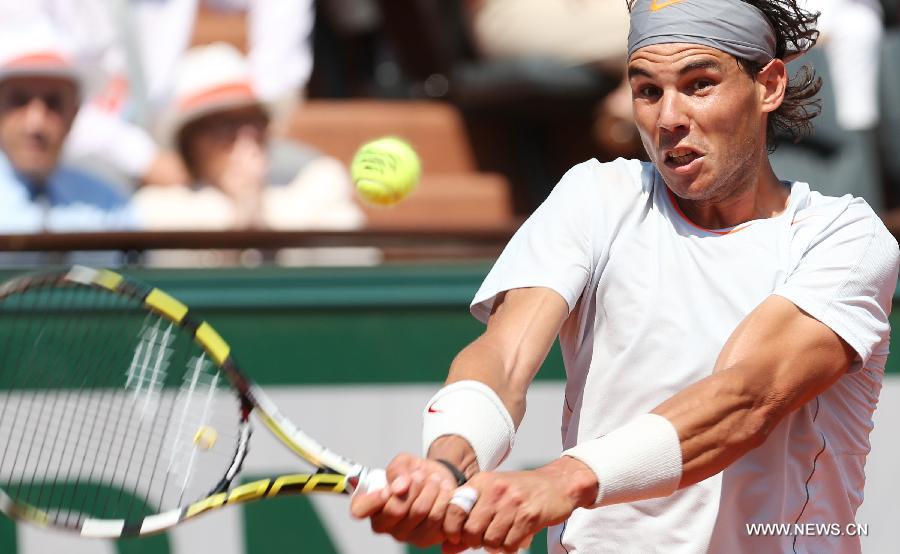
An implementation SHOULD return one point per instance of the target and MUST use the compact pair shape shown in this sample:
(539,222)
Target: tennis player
(724,332)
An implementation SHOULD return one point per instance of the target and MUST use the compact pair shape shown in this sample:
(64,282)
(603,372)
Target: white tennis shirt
(652,300)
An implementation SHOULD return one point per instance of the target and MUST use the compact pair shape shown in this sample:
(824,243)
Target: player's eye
(701,84)
(649,91)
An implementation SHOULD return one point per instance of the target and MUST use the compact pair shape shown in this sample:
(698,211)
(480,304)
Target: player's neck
(761,198)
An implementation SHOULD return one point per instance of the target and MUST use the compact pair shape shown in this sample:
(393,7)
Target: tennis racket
(122,415)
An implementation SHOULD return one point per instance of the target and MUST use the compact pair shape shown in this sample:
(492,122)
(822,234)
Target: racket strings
(45,391)
(27,378)
(107,409)
(199,384)
(92,449)
(82,362)
(71,468)
(157,354)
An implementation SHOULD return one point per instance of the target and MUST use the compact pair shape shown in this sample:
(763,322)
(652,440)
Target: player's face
(36,114)
(700,119)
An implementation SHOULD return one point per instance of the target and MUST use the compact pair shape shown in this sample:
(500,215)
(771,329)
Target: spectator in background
(852,33)
(136,45)
(590,32)
(40,91)
(221,129)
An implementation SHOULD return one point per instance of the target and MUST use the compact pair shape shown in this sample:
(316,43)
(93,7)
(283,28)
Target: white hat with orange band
(36,48)
(209,79)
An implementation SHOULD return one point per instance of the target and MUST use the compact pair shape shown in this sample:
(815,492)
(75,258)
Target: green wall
(395,323)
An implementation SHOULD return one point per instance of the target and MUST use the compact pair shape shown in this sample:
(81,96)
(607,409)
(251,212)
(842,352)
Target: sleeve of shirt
(557,246)
(846,279)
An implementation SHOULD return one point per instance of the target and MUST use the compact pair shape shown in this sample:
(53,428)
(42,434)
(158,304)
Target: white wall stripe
(102,528)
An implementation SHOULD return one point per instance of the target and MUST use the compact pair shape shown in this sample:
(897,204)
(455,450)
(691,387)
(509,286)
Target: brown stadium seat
(449,201)
(339,127)
(453,194)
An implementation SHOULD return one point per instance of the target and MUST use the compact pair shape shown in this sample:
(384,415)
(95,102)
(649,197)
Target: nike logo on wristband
(431,410)
(656,6)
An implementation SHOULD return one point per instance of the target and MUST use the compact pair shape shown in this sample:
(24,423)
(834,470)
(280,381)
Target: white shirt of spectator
(280,56)
(320,197)
(653,298)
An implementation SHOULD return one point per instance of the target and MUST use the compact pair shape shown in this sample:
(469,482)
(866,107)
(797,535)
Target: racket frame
(336,474)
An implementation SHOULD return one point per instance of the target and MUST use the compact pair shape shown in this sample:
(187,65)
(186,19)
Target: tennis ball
(205,437)
(385,170)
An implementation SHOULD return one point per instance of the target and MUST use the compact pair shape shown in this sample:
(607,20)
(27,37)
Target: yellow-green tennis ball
(205,437)
(385,170)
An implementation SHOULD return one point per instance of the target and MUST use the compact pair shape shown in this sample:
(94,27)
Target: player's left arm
(777,359)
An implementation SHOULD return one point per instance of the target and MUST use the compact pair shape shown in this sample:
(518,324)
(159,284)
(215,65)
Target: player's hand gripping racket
(121,415)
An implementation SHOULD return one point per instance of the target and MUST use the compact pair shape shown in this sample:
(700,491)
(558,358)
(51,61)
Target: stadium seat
(453,194)
(339,127)
(832,160)
(449,201)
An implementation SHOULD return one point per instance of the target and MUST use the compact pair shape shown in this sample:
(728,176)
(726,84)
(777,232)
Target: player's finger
(398,504)
(477,523)
(401,465)
(494,536)
(364,505)
(453,548)
(462,502)
(522,529)
(431,529)
(419,509)
(523,545)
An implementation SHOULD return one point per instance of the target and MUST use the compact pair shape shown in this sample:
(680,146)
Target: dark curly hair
(795,33)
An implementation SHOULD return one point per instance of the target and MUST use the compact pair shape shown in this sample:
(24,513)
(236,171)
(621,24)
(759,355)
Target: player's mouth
(682,160)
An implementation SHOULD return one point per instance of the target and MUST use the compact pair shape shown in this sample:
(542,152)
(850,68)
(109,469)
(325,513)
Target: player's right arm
(520,332)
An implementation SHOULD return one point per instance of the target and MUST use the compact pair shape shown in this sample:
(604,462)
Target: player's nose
(672,114)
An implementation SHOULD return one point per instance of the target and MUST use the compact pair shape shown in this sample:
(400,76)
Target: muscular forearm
(480,361)
(483,362)
(778,359)
(718,420)
(484,396)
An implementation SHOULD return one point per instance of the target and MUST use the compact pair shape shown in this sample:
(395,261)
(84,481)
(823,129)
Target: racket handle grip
(371,480)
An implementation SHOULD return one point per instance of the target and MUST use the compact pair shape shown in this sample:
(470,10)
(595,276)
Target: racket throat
(240,454)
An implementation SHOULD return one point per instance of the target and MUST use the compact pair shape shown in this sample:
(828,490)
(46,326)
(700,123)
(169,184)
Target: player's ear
(772,81)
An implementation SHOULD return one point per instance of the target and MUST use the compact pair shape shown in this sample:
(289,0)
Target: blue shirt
(70,201)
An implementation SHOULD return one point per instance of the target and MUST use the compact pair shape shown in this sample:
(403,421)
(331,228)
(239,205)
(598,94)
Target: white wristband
(637,461)
(473,411)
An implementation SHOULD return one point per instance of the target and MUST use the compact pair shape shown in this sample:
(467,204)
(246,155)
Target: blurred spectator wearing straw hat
(40,91)
(134,46)
(220,127)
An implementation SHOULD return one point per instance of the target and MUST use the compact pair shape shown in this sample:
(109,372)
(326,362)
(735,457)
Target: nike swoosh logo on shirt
(431,410)
(656,6)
